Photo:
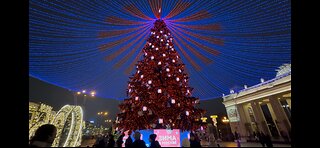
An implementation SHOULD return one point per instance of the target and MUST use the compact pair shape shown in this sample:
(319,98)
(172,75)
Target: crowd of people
(260,137)
(194,141)
(108,141)
(45,135)
(265,140)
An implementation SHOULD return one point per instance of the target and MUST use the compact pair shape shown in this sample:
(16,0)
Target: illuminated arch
(34,128)
(41,114)
(69,118)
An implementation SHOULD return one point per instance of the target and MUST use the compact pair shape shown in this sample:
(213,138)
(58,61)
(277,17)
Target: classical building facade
(265,107)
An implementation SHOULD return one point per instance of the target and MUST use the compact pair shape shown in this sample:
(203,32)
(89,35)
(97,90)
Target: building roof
(282,76)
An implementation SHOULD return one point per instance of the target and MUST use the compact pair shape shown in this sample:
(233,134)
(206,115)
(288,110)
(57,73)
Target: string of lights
(96,44)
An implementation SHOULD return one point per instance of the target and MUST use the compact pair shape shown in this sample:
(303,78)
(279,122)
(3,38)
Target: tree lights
(157,104)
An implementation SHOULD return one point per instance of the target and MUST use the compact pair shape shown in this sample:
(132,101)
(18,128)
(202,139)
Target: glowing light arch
(34,128)
(74,133)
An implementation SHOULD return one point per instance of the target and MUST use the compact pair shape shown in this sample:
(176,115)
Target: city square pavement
(90,142)
(243,144)
(248,144)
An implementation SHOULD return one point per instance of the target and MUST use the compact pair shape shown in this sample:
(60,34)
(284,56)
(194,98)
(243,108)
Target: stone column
(282,121)
(259,117)
(241,127)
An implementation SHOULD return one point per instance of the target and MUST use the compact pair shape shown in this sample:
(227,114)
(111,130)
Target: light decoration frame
(74,134)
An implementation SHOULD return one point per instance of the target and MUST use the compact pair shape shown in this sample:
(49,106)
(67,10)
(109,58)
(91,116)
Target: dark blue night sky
(94,45)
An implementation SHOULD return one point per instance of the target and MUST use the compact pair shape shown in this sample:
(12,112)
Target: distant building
(265,107)
(89,129)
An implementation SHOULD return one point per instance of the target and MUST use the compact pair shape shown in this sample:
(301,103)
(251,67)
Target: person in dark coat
(262,138)
(128,142)
(255,137)
(194,142)
(268,141)
(111,141)
(236,136)
(101,143)
(154,143)
(44,136)
(137,142)
(120,140)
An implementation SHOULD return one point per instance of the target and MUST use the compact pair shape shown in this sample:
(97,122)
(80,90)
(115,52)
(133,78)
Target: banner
(168,138)
(233,114)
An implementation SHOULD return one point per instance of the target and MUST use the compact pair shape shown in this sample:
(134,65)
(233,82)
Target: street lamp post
(75,97)
(83,92)
(102,114)
(226,121)
(92,93)
(84,97)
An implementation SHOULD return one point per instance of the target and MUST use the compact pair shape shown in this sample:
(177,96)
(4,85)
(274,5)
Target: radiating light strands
(179,7)
(156,7)
(133,10)
(96,44)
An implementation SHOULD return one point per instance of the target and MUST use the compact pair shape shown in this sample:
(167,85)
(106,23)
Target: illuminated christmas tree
(159,96)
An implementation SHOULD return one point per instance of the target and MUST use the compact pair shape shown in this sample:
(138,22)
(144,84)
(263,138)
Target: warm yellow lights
(225,120)
(73,138)
(214,116)
(103,113)
(92,93)
(107,120)
(204,119)
(39,114)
